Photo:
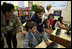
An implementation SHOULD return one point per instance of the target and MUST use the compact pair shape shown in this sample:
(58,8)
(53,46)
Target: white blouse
(45,15)
(57,26)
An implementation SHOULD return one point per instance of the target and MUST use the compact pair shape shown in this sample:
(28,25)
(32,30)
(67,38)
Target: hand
(9,28)
(48,31)
(24,32)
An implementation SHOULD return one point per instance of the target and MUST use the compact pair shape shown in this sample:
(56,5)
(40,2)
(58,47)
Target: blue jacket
(31,40)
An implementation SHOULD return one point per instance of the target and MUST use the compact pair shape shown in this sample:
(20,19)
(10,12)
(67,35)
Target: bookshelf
(25,15)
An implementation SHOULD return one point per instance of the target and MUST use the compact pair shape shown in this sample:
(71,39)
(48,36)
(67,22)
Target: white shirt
(45,15)
(57,26)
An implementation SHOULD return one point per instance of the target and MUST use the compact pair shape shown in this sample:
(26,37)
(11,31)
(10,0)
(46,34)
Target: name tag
(11,24)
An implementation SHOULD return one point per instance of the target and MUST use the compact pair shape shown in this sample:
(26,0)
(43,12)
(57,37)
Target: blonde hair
(48,6)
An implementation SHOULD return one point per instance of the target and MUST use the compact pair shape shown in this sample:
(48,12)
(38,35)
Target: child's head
(60,19)
(32,27)
(51,16)
(47,22)
(39,11)
(7,9)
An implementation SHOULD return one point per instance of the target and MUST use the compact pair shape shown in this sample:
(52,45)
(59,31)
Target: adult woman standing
(47,12)
(9,24)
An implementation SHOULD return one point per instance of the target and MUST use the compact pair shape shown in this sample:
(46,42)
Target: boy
(37,18)
(34,37)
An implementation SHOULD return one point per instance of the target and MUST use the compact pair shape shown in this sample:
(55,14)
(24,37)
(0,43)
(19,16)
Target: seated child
(51,17)
(47,25)
(37,18)
(33,37)
(60,24)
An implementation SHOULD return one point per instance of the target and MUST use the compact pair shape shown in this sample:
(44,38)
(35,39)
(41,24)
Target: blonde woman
(47,12)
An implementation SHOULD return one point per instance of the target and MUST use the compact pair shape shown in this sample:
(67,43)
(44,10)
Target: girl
(51,17)
(48,28)
(46,25)
(60,24)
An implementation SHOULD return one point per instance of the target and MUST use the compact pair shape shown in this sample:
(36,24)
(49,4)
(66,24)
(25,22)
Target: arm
(47,43)
(3,24)
(25,45)
(69,28)
(51,29)
(45,38)
(2,32)
(46,30)
(18,24)
(19,27)
(62,26)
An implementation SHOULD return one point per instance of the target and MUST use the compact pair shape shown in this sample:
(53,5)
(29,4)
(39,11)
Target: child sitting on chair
(34,37)
(51,17)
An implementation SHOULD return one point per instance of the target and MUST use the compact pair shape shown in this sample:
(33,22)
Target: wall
(65,13)
(16,3)
(37,2)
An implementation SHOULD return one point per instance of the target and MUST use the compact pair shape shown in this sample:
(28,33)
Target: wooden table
(63,34)
(63,39)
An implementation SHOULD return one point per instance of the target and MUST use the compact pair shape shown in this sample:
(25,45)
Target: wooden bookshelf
(24,14)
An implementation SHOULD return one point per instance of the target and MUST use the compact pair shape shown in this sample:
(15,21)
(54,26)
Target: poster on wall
(57,13)
(21,4)
(12,2)
(56,5)
(30,3)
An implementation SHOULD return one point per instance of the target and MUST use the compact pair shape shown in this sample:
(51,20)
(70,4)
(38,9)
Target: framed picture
(57,13)
(30,3)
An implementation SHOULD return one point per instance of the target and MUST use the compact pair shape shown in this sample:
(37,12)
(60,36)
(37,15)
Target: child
(47,25)
(51,17)
(47,11)
(60,24)
(33,37)
(37,18)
